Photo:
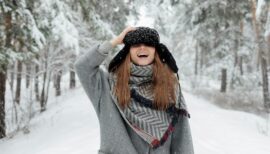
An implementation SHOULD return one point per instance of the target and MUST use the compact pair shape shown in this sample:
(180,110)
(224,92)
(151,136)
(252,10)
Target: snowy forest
(222,49)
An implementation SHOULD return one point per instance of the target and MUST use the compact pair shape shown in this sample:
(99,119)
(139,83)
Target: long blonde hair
(164,83)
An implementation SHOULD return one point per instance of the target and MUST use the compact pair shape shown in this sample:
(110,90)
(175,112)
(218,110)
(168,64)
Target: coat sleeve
(89,73)
(182,142)
(181,137)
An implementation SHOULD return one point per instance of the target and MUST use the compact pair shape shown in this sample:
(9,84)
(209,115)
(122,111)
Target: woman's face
(142,54)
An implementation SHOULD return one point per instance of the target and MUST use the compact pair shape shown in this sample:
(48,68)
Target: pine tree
(6,15)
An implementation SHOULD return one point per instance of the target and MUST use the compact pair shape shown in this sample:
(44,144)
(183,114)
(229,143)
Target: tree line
(39,42)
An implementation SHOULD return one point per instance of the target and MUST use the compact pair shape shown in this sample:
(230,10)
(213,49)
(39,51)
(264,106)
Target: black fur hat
(148,36)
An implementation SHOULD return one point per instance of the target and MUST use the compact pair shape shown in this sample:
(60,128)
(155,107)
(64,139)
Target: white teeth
(142,54)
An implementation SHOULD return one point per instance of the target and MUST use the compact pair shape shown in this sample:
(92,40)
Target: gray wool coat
(116,137)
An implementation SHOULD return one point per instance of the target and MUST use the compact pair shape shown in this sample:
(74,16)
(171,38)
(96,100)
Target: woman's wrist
(113,42)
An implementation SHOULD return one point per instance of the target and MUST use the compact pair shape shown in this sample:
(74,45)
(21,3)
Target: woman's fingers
(124,32)
(128,29)
(120,37)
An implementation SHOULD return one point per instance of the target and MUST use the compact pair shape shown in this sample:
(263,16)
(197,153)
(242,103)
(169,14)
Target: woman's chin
(142,63)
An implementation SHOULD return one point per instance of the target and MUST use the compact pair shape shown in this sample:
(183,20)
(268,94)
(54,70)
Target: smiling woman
(138,98)
(142,54)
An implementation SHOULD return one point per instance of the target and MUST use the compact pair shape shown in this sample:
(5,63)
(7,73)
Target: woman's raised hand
(119,39)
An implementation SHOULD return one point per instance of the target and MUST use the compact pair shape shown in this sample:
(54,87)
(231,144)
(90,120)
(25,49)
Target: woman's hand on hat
(119,39)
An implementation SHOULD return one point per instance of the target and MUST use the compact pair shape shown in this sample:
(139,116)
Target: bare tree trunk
(48,86)
(268,47)
(223,80)
(3,70)
(28,73)
(196,59)
(241,44)
(266,97)
(202,57)
(72,82)
(36,82)
(58,83)
(236,62)
(3,74)
(12,76)
(236,45)
(18,83)
(43,99)
(262,46)
(241,65)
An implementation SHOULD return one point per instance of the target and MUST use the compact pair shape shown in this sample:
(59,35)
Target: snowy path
(70,126)
(219,131)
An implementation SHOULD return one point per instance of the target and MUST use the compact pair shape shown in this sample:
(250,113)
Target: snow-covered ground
(70,126)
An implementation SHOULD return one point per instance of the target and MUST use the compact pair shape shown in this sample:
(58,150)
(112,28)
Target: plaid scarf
(153,125)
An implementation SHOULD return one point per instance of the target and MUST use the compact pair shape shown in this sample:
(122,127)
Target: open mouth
(142,55)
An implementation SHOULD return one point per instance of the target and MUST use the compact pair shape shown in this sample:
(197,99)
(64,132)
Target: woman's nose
(142,46)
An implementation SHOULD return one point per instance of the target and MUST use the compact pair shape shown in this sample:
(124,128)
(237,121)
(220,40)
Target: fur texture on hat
(147,36)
